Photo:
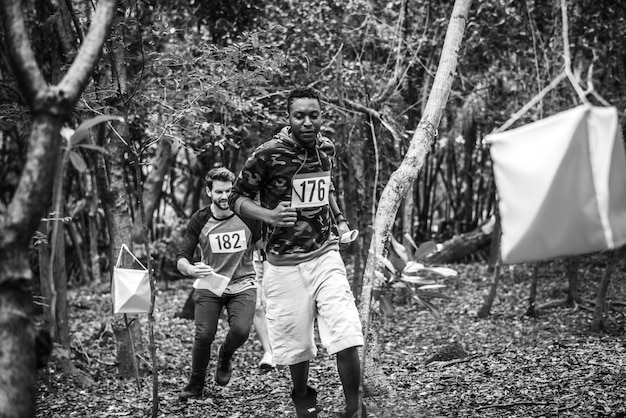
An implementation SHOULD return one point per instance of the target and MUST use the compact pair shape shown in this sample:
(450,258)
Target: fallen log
(463,245)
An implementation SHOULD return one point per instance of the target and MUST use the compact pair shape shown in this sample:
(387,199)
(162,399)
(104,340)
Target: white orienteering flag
(562,185)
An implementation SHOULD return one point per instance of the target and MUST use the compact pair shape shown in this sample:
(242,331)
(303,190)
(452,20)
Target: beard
(222,204)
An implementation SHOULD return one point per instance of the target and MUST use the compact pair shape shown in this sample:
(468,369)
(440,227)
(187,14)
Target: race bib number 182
(310,190)
(228,242)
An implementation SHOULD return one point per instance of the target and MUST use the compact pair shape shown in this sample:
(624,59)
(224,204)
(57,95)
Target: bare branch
(567,57)
(26,70)
(76,79)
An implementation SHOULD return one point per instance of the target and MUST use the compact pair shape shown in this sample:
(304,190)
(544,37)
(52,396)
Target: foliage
(411,280)
(213,79)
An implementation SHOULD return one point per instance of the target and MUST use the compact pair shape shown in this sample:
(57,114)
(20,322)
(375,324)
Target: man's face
(220,192)
(305,119)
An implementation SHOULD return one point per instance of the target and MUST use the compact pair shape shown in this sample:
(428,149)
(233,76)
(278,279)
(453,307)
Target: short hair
(302,93)
(219,174)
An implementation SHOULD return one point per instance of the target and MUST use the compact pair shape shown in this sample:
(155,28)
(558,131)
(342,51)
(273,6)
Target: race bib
(228,242)
(310,190)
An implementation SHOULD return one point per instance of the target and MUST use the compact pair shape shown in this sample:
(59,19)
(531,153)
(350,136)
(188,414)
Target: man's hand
(283,215)
(343,227)
(199,270)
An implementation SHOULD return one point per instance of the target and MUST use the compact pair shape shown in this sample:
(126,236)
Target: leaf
(425,249)
(94,148)
(400,250)
(400,284)
(416,280)
(78,162)
(83,128)
(432,286)
(380,275)
(410,241)
(413,267)
(386,306)
(77,207)
(387,264)
(444,271)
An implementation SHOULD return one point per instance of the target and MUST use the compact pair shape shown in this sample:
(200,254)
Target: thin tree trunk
(153,188)
(599,314)
(92,222)
(397,187)
(484,310)
(407,217)
(532,297)
(573,295)
(77,243)
(115,195)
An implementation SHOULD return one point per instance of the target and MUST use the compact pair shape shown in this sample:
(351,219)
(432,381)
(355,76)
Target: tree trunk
(57,271)
(78,245)
(50,107)
(599,313)
(461,246)
(115,198)
(91,195)
(18,379)
(397,187)
(573,295)
(484,310)
(129,344)
(494,250)
(153,186)
(407,217)
(532,297)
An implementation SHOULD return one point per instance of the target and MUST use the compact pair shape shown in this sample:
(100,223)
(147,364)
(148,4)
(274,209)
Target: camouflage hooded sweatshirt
(282,169)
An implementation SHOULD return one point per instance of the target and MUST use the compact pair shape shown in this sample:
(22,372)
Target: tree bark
(398,186)
(153,186)
(531,311)
(461,246)
(485,309)
(50,107)
(573,295)
(116,196)
(599,312)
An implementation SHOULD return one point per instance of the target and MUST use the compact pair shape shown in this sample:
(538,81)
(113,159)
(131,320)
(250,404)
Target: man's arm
(196,271)
(244,191)
(282,215)
(188,247)
(342,223)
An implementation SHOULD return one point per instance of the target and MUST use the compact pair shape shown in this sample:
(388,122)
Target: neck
(307,145)
(220,213)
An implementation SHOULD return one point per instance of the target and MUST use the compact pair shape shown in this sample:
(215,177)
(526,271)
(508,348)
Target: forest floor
(548,366)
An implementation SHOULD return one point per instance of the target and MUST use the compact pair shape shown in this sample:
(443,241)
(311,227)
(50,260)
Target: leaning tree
(399,183)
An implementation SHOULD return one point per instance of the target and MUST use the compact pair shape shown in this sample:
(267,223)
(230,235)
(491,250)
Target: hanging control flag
(130,288)
(562,185)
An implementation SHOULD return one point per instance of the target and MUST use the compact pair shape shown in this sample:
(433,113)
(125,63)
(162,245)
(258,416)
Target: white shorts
(259,268)
(298,295)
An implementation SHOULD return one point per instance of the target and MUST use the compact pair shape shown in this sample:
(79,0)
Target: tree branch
(397,73)
(27,72)
(77,77)
(567,57)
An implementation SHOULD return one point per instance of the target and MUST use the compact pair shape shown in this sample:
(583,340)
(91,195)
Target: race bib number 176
(310,190)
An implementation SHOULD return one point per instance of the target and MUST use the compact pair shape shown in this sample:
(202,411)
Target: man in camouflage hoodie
(305,279)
